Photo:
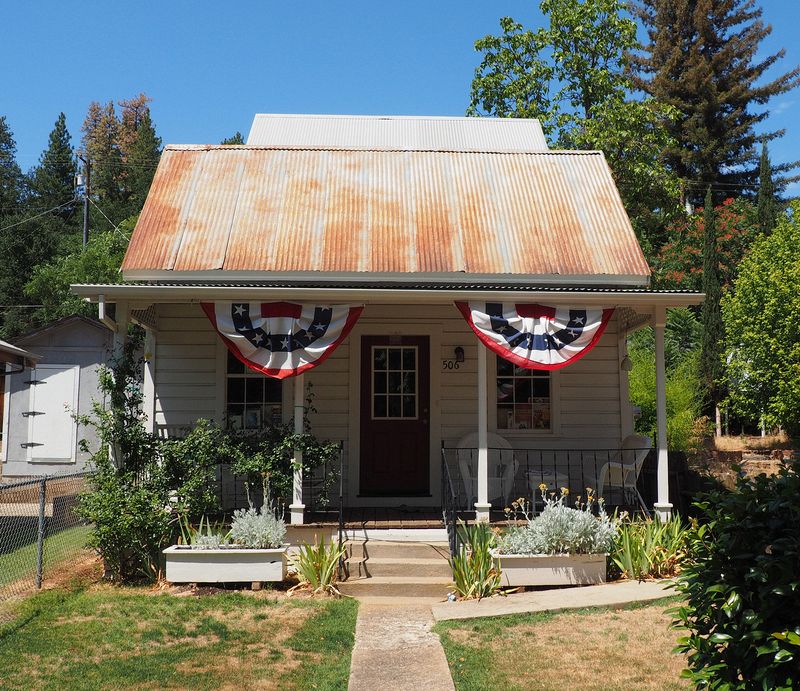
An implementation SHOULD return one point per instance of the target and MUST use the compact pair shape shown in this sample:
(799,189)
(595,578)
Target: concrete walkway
(396,650)
(606,595)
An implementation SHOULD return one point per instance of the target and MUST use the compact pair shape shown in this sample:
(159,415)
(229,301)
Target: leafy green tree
(98,262)
(766,202)
(701,61)
(682,337)
(762,326)
(11,188)
(51,182)
(571,77)
(237,138)
(679,264)
(711,315)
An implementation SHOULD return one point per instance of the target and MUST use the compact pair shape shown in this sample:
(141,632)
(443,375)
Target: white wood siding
(190,380)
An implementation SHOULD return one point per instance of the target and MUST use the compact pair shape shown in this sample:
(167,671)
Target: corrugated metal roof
(397,133)
(540,215)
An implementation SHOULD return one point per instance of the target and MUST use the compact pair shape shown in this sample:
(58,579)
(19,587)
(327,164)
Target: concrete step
(397,534)
(393,566)
(378,549)
(397,586)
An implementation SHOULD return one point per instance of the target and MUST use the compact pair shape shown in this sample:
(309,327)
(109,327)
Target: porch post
(296,508)
(482,506)
(663,508)
(149,383)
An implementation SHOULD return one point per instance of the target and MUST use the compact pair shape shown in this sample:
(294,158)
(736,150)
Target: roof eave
(193,293)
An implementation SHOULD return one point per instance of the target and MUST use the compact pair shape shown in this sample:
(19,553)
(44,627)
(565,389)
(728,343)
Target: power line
(32,218)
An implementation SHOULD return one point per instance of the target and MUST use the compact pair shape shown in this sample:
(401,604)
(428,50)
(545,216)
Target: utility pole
(85,187)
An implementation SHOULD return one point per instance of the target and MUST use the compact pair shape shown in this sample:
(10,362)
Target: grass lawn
(584,649)
(121,638)
(21,563)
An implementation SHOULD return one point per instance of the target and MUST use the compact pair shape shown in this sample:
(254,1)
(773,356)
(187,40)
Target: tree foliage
(766,203)
(52,181)
(711,315)
(98,262)
(237,138)
(701,61)
(762,326)
(571,77)
(11,189)
(679,264)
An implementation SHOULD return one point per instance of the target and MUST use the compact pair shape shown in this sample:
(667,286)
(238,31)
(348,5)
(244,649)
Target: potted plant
(560,546)
(253,550)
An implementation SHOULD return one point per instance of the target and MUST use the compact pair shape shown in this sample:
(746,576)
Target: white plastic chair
(623,470)
(503,466)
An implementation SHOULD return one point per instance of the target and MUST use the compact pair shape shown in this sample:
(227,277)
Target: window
(252,401)
(523,397)
(394,382)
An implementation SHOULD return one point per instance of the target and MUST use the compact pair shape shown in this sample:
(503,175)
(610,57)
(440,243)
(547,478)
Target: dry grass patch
(600,650)
(748,443)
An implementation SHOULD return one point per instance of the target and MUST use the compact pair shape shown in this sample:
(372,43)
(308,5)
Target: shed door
(394,454)
(54,398)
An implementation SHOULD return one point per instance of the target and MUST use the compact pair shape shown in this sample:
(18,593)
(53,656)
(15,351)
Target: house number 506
(450,364)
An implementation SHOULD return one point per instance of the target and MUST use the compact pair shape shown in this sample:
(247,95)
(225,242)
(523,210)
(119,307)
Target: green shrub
(136,496)
(742,586)
(645,548)
(475,571)
(317,566)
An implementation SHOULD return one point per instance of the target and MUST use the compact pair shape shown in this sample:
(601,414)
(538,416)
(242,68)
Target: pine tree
(142,160)
(101,143)
(700,60)
(52,180)
(11,188)
(711,351)
(235,139)
(766,194)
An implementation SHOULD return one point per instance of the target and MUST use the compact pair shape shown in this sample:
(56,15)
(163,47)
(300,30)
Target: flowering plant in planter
(560,546)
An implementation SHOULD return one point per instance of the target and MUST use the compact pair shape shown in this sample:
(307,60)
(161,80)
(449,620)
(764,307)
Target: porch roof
(233,213)
(13,355)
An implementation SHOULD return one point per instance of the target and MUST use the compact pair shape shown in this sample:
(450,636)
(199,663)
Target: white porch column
(296,508)
(662,507)
(121,316)
(149,381)
(482,506)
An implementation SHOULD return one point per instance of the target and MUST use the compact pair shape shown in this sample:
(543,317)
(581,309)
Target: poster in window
(540,413)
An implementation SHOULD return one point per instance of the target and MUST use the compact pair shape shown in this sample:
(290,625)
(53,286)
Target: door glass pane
(394,372)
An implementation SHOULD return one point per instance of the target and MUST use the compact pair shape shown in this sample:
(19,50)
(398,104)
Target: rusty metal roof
(238,212)
(397,133)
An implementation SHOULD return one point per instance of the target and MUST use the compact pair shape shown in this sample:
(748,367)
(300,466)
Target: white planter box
(545,569)
(186,565)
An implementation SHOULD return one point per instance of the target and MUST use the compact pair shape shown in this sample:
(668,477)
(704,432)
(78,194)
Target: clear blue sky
(209,66)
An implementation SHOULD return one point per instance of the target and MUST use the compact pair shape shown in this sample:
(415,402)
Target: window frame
(372,392)
(555,405)
(249,373)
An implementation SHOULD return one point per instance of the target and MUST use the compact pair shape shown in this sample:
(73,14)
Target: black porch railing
(449,506)
(613,474)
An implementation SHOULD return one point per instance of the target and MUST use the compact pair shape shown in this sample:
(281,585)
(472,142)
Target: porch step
(397,586)
(373,567)
(397,534)
(383,570)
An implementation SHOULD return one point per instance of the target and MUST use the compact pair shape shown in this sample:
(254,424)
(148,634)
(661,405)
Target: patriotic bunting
(536,336)
(281,339)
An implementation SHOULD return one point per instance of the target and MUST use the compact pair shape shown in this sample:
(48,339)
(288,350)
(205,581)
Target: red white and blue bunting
(536,336)
(281,339)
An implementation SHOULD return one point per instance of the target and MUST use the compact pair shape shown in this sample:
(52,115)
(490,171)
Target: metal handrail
(449,506)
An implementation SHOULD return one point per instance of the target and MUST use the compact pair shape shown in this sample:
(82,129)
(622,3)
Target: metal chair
(623,470)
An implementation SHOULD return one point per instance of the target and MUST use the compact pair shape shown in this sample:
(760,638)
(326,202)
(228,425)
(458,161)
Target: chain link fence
(40,534)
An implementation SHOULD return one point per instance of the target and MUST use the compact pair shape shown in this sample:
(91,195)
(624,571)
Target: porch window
(523,397)
(252,401)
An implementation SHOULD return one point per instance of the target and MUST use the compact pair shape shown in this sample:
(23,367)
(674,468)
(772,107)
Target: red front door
(395,400)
